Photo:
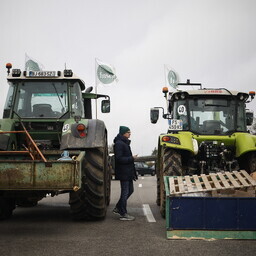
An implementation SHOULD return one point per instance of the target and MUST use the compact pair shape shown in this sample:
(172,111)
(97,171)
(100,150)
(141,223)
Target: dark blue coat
(124,162)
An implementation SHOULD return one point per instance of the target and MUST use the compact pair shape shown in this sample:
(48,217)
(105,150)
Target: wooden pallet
(212,182)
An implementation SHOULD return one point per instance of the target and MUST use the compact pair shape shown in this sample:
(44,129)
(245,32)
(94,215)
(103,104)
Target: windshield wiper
(62,115)
(58,95)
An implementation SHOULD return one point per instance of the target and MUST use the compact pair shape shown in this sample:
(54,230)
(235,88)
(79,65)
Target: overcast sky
(207,41)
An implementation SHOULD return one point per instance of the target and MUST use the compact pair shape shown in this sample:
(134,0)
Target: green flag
(32,65)
(172,78)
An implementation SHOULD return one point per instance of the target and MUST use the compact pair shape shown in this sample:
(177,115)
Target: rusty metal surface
(35,175)
(31,148)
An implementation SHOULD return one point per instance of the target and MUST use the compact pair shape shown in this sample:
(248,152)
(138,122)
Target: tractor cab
(206,111)
(48,95)
(50,144)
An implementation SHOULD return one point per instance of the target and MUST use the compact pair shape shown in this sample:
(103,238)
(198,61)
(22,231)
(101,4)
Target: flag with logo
(105,73)
(171,77)
(32,65)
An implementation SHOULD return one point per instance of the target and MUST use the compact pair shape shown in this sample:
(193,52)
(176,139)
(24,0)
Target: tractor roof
(210,91)
(45,75)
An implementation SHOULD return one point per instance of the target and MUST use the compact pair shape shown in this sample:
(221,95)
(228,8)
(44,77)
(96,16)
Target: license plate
(175,125)
(42,73)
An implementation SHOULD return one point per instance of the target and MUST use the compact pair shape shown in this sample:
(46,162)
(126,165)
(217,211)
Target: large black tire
(248,162)
(158,191)
(171,166)
(7,205)
(108,181)
(91,200)
(252,163)
(159,167)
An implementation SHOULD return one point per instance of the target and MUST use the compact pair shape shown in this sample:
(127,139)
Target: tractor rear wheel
(91,200)
(7,205)
(171,166)
(108,179)
(252,163)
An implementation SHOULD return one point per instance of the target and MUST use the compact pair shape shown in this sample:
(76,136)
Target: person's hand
(135,175)
(135,156)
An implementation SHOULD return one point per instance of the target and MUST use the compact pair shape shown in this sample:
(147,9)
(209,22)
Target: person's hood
(122,138)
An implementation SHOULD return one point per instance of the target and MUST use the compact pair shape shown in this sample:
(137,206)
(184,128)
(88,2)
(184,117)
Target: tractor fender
(95,135)
(245,142)
(182,141)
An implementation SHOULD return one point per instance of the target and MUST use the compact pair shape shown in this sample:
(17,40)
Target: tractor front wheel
(171,166)
(91,200)
(252,163)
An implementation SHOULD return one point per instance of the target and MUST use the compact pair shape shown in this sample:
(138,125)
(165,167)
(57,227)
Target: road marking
(142,178)
(148,213)
(140,185)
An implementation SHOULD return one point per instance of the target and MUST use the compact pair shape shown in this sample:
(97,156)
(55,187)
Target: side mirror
(154,115)
(105,106)
(89,89)
(249,118)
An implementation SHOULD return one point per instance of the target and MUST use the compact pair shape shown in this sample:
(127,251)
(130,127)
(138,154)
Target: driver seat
(211,126)
(42,110)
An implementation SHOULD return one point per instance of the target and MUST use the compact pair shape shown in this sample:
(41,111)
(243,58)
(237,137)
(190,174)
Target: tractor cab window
(9,102)
(241,118)
(216,116)
(180,113)
(76,100)
(41,99)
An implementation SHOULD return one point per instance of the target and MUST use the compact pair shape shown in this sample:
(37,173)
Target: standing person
(124,171)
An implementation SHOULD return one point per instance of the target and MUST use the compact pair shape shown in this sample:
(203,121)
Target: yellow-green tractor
(207,133)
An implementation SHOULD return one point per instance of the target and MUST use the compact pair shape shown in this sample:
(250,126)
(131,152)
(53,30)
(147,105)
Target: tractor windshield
(211,116)
(41,99)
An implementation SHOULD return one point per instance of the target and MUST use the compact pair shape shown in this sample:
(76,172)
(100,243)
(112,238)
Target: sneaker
(116,211)
(127,217)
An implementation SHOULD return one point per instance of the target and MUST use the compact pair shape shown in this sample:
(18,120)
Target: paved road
(48,230)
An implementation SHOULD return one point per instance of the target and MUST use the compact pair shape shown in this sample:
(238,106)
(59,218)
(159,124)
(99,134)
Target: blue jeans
(126,190)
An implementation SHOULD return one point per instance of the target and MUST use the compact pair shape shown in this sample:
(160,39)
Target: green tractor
(207,133)
(49,144)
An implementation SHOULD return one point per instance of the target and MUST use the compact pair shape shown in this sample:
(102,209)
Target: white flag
(105,73)
(32,65)
(171,77)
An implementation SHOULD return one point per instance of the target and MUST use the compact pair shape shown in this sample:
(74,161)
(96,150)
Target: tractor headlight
(16,72)
(242,96)
(183,96)
(68,73)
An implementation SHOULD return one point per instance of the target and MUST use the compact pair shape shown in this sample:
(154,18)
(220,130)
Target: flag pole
(166,82)
(96,89)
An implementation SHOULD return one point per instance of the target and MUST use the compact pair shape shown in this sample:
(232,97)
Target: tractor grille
(40,126)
